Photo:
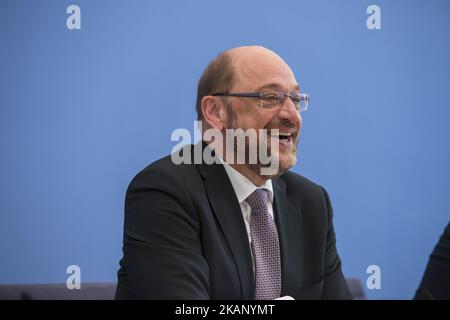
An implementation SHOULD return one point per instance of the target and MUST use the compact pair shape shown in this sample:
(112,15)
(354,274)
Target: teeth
(282,134)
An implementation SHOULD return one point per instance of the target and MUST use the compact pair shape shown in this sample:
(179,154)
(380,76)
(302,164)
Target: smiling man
(230,230)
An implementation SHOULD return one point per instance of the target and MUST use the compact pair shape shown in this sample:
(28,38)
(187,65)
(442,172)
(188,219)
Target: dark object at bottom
(436,279)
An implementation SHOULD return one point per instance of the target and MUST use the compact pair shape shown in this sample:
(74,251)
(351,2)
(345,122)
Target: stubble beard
(286,160)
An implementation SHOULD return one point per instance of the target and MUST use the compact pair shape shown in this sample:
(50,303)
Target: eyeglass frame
(259,95)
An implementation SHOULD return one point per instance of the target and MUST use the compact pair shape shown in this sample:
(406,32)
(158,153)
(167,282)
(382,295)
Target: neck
(250,174)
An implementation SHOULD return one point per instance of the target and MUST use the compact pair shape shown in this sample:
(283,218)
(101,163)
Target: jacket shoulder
(297,184)
(166,171)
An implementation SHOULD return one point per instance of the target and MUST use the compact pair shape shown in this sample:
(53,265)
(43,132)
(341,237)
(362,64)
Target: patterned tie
(265,246)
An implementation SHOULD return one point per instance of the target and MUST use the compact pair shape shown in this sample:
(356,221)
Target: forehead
(259,70)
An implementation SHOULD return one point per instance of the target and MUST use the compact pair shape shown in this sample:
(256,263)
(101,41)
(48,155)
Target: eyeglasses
(273,99)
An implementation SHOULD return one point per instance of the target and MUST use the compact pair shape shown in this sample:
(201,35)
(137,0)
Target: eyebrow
(275,85)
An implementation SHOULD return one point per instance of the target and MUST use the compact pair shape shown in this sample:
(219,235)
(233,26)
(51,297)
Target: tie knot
(258,199)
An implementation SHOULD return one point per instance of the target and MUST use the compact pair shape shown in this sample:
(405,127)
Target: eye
(296,98)
(271,97)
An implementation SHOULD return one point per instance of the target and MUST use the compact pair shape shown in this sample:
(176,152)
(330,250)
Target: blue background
(82,111)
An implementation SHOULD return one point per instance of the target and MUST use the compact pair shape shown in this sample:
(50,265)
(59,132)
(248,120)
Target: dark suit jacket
(185,238)
(435,283)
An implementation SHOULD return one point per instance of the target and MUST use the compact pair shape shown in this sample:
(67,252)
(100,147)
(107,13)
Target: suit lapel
(228,212)
(288,219)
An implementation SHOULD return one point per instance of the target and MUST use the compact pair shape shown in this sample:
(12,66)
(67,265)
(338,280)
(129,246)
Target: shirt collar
(242,186)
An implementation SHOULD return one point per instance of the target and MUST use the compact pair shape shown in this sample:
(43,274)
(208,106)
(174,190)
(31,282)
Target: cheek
(249,117)
(251,123)
(267,121)
(299,122)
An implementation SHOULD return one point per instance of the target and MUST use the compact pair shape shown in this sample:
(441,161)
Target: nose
(288,111)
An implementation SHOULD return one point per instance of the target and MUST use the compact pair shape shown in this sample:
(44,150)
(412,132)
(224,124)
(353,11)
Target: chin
(286,162)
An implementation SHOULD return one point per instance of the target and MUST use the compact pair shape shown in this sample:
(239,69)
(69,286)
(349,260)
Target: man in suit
(225,230)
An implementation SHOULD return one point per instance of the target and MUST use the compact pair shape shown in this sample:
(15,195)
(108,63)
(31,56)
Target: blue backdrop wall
(82,111)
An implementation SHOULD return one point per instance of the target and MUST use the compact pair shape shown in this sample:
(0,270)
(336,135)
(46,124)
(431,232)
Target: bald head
(241,68)
(247,54)
(256,65)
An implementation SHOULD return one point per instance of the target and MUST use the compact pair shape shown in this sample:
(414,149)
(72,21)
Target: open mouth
(282,136)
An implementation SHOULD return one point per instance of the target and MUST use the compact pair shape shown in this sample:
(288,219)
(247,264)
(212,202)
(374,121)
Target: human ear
(211,112)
